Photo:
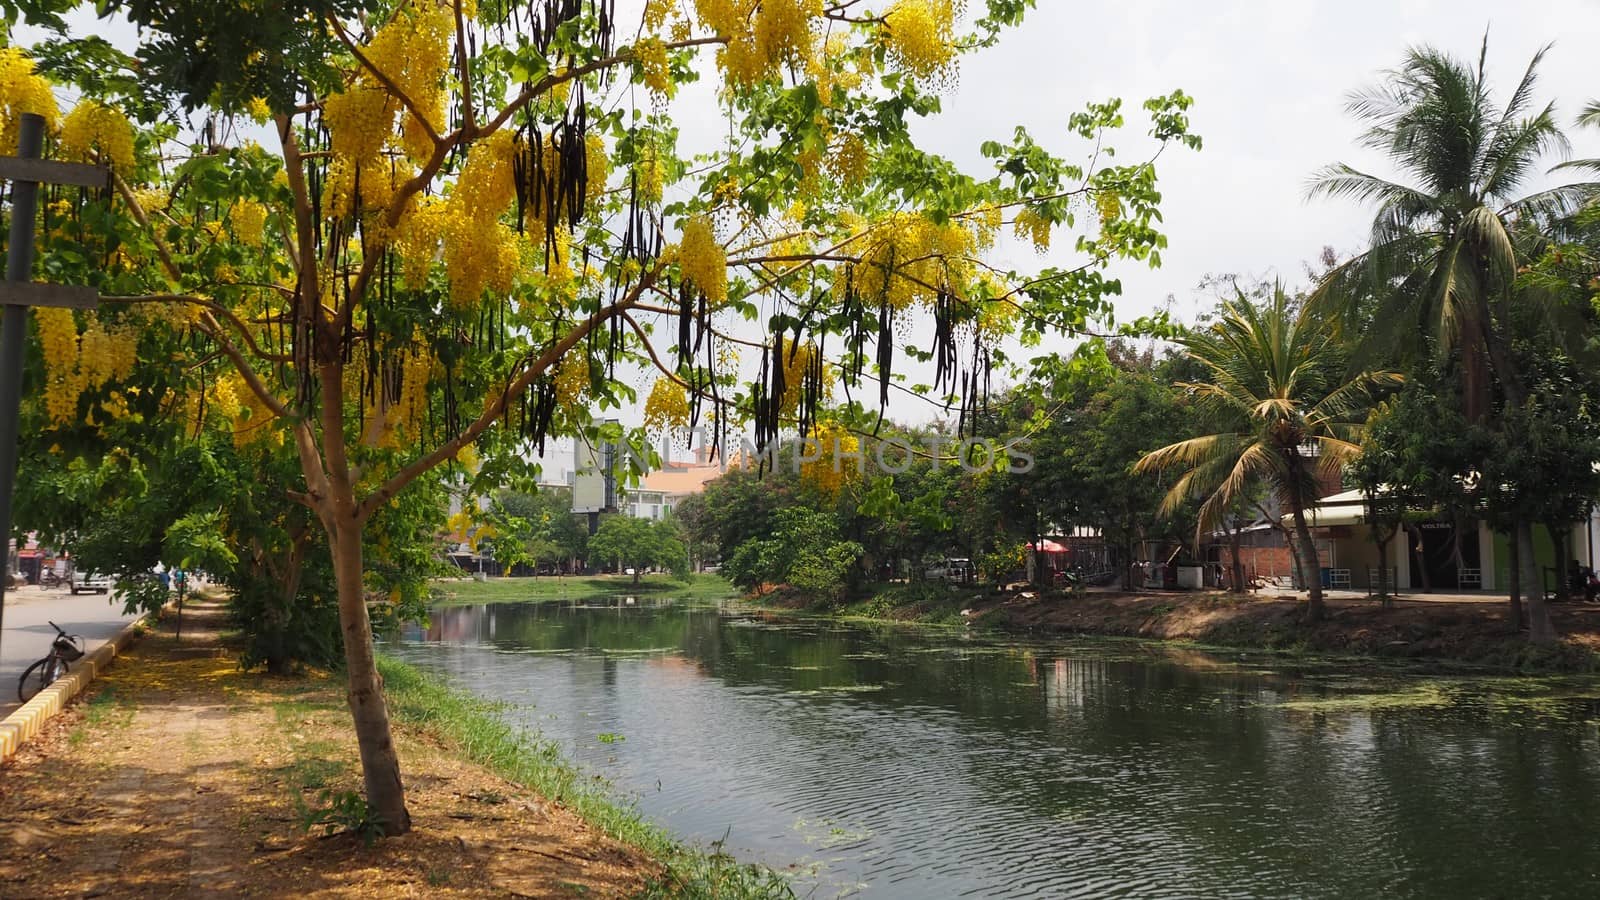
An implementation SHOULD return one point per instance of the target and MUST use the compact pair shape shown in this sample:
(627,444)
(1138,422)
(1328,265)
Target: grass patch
(550,587)
(926,602)
(106,709)
(481,736)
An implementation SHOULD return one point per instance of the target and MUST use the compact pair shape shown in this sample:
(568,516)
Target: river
(898,762)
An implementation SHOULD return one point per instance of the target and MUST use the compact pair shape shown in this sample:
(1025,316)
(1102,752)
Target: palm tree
(1445,251)
(1442,258)
(1292,416)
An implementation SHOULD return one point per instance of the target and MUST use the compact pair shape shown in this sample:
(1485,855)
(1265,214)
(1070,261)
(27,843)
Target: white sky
(1270,81)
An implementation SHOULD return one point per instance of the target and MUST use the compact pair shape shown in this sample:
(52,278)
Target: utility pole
(26,171)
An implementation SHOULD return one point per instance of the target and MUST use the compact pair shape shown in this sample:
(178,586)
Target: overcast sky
(1270,80)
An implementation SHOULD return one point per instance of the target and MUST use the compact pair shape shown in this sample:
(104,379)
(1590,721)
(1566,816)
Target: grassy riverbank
(181,775)
(1457,632)
(550,587)
(472,728)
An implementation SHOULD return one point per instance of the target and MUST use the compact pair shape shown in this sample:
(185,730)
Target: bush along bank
(472,728)
(1452,632)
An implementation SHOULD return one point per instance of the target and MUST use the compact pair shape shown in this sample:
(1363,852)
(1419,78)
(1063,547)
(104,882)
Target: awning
(1049,546)
(1331,515)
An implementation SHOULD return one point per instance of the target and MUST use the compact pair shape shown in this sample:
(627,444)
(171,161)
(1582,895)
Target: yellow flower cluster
(58,339)
(22,90)
(667,406)
(74,365)
(1109,206)
(480,252)
(654,66)
(763,35)
(107,352)
(920,35)
(784,30)
(909,257)
(92,128)
(258,110)
(651,176)
(223,398)
(255,422)
(359,121)
(848,160)
(249,221)
(833,65)
(836,464)
(404,419)
(1031,226)
(572,377)
(657,13)
(418,240)
(413,51)
(796,362)
(703,261)
(468,457)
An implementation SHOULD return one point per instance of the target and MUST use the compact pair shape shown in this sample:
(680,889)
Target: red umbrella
(1050,546)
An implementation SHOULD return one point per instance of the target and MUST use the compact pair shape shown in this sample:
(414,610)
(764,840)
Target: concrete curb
(27,719)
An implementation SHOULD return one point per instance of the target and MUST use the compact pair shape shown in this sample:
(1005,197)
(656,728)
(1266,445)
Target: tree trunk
(1540,628)
(380,766)
(1310,571)
(1563,584)
(1414,534)
(1384,593)
(1514,572)
(1234,540)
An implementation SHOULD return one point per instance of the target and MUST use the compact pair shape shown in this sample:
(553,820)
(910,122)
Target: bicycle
(64,650)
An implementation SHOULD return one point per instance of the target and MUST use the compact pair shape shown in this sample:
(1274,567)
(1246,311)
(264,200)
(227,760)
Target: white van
(88,581)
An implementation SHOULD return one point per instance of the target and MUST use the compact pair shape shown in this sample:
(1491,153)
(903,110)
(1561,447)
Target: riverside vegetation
(412,243)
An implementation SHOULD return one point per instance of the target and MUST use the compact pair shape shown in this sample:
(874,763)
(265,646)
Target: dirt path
(181,776)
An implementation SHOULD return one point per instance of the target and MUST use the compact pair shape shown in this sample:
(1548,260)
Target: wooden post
(26,171)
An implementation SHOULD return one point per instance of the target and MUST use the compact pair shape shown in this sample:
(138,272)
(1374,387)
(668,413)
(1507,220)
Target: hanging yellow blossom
(667,407)
(838,459)
(22,90)
(703,261)
(1033,227)
(921,37)
(655,69)
(249,221)
(92,129)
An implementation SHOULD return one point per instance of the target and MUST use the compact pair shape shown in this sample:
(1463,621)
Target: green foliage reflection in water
(544,588)
(484,738)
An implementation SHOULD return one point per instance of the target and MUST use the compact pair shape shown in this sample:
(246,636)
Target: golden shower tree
(459,226)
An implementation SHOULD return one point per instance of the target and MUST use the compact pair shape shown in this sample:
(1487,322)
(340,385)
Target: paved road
(27,634)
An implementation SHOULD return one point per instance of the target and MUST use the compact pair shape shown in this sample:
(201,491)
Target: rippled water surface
(913,763)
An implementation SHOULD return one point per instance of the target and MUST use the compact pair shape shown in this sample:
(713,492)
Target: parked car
(958,571)
(89,581)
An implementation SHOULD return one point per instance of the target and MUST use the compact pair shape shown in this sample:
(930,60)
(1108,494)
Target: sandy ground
(180,776)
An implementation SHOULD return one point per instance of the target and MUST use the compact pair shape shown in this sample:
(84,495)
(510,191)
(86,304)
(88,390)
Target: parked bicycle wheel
(35,678)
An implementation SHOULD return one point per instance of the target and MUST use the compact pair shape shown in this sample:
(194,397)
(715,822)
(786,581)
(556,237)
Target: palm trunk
(380,766)
(1540,628)
(1309,571)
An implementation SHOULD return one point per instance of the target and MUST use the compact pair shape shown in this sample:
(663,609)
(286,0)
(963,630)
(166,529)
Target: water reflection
(906,763)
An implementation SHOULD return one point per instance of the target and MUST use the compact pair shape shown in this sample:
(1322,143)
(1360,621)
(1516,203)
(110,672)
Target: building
(1432,554)
(659,492)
